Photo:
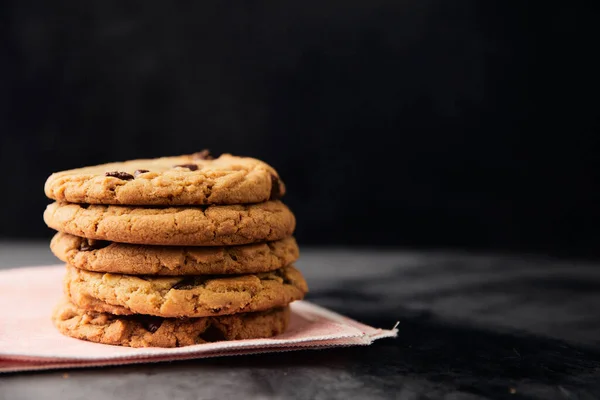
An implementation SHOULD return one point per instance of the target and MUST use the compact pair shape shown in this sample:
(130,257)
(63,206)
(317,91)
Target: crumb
(65,376)
(512,390)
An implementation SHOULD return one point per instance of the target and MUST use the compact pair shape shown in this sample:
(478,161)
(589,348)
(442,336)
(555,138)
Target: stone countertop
(471,327)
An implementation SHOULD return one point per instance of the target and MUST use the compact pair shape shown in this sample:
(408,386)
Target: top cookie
(195,179)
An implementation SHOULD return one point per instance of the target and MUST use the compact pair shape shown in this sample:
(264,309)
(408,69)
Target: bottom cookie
(148,331)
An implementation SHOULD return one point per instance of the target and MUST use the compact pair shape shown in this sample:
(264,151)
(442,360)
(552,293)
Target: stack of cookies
(173,251)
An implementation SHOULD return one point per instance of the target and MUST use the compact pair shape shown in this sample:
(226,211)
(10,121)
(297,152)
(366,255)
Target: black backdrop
(412,123)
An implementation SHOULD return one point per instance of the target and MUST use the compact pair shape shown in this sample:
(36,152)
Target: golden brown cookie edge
(166,332)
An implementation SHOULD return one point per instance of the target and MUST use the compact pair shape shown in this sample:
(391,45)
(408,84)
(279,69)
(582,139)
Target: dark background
(469,125)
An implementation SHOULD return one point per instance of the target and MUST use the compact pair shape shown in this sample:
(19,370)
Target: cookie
(180,226)
(146,331)
(193,296)
(132,259)
(194,179)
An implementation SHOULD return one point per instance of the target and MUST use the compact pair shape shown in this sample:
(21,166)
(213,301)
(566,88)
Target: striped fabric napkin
(29,341)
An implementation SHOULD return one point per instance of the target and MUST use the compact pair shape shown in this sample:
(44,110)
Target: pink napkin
(29,341)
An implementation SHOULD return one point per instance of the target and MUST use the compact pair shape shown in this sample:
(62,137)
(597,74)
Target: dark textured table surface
(471,327)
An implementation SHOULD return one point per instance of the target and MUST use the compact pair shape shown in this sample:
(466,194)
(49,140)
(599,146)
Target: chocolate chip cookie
(119,258)
(195,179)
(146,331)
(193,296)
(214,225)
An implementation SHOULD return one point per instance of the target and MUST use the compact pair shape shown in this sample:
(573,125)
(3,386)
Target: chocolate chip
(202,155)
(139,172)
(91,244)
(191,167)
(151,324)
(152,327)
(186,283)
(213,334)
(121,175)
(275,188)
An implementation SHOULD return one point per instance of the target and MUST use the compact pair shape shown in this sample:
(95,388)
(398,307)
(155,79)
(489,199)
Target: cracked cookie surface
(145,331)
(192,296)
(194,179)
(132,259)
(214,225)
